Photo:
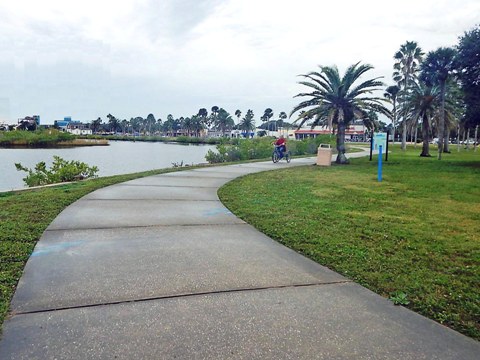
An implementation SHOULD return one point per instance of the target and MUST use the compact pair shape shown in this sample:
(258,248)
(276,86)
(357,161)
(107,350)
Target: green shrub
(60,171)
(262,147)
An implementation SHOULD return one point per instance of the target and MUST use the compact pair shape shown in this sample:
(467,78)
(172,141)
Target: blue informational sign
(379,139)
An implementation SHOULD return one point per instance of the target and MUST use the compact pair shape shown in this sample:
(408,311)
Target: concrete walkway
(158,268)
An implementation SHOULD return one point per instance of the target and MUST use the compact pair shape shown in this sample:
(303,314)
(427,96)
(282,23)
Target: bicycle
(277,155)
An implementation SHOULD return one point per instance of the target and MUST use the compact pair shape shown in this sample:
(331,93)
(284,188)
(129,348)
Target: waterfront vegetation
(261,148)
(60,171)
(412,238)
(43,138)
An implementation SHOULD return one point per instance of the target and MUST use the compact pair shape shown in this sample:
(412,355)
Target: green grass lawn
(414,237)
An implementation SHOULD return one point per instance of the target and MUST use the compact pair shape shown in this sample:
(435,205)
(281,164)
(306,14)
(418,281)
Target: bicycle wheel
(288,157)
(275,157)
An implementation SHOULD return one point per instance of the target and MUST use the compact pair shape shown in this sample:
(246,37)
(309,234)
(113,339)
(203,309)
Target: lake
(120,157)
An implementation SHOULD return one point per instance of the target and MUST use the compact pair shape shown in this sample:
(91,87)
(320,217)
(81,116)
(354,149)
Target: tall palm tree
(339,101)
(436,69)
(213,115)
(421,106)
(203,114)
(407,62)
(282,116)
(391,93)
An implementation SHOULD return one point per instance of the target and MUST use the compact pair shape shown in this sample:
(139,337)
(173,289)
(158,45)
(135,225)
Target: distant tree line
(218,120)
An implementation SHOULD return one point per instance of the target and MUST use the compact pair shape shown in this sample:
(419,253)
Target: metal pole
(386,146)
(371,146)
(379,163)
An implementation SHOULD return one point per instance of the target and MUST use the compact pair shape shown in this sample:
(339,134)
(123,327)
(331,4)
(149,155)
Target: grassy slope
(416,232)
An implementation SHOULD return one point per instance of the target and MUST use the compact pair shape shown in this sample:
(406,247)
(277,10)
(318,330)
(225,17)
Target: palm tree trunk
(416,133)
(404,135)
(441,122)
(341,158)
(475,139)
(446,147)
(425,131)
(458,138)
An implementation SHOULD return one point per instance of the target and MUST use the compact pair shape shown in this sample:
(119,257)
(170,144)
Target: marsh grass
(415,233)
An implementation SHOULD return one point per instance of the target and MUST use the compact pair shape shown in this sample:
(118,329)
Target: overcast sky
(88,58)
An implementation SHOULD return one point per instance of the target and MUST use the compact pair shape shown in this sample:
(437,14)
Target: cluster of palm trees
(219,120)
(427,95)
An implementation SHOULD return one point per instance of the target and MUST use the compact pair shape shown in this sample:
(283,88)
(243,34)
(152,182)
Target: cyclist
(281,145)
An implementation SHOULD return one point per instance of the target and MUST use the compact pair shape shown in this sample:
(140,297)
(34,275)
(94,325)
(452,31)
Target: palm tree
(248,123)
(407,61)
(338,100)
(224,121)
(213,115)
(391,93)
(95,125)
(203,114)
(113,123)
(238,114)
(436,69)
(282,116)
(267,114)
(422,106)
(150,121)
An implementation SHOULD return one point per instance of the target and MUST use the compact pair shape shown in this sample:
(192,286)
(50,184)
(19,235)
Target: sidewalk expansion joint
(160,185)
(178,296)
(154,199)
(145,226)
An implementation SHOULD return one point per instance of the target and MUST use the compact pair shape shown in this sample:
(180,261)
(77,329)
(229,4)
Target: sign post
(379,164)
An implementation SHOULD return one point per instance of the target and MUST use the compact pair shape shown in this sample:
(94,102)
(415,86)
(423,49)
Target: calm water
(121,157)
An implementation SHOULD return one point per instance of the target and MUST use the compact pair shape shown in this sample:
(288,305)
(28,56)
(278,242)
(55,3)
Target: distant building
(75,127)
(28,123)
(354,133)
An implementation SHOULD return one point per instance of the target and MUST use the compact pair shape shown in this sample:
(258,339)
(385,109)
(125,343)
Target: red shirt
(280,142)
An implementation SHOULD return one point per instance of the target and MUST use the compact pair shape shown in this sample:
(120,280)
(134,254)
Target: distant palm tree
(95,125)
(391,93)
(150,121)
(214,114)
(436,69)
(247,124)
(282,116)
(238,114)
(339,101)
(203,114)
(421,106)
(407,64)
(267,114)
(224,121)
(113,123)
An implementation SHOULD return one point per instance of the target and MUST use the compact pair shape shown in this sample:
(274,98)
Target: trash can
(324,155)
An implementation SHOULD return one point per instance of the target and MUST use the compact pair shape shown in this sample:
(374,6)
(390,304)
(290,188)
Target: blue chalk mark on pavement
(219,211)
(49,249)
